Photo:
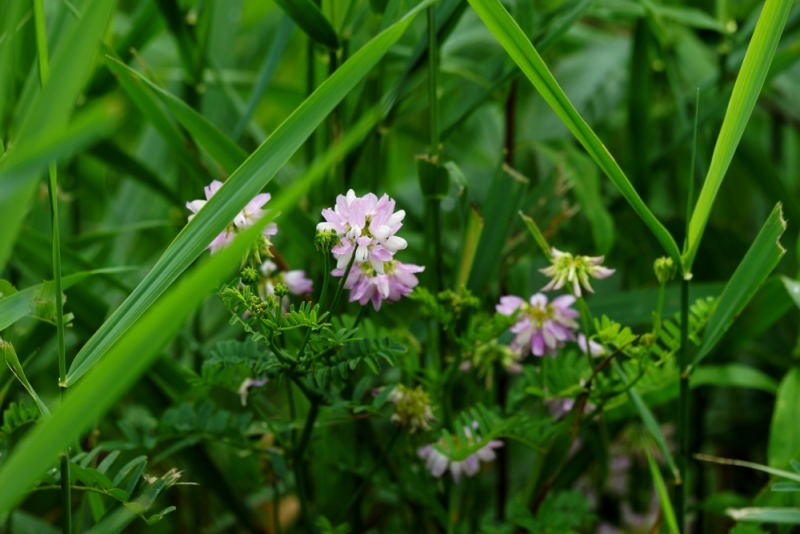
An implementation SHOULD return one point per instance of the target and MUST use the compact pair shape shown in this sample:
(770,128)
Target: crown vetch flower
(595,348)
(366,226)
(244,219)
(437,463)
(544,327)
(412,408)
(576,270)
(394,281)
(296,280)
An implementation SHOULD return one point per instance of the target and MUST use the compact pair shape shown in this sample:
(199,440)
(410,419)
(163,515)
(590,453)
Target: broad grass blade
(762,257)
(667,511)
(20,304)
(144,99)
(51,107)
(514,41)
(733,375)
(649,421)
(310,19)
(784,516)
(224,150)
(748,86)
(784,432)
(117,373)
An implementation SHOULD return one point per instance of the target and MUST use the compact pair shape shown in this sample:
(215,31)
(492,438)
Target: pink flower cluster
(545,326)
(366,228)
(244,219)
(542,326)
(295,280)
(438,463)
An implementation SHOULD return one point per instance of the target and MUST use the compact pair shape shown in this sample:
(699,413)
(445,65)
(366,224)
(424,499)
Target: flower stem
(361,314)
(342,282)
(683,409)
(325,281)
(276,504)
(299,471)
(44,74)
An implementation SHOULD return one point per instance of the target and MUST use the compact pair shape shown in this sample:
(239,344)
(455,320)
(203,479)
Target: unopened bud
(325,240)
(249,276)
(281,290)
(665,269)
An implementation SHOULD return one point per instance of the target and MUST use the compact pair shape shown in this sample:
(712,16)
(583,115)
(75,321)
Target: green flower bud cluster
(325,240)
(250,276)
(281,290)
(458,301)
(258,252)
(412,408)
(665,269)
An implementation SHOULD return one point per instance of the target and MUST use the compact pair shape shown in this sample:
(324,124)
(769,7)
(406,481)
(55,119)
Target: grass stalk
(44,74)
(683,409)
(692,171)
(434,204)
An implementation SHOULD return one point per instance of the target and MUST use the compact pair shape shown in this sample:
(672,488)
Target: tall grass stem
(44,74)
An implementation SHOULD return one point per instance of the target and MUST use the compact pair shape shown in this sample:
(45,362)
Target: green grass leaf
(748,86)
(23,303)
(514,41)
(310,19)
(10,356)
(733,375)
(649,421)
(50,109)
(784,432)
(502,203)
(118,372)
(762,257)
(667,511)
(224,150)
(144,99)
(785,516)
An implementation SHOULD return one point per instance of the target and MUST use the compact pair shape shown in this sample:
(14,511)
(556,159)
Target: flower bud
(249,276)
(281,290)
(412,408)
(665,269)
(325,240)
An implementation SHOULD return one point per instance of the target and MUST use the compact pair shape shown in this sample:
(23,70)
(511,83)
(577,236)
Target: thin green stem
(361,314)
(343,280)
(692,171)
(434,204)
(44,74)
(364,483)
(299,471)
(433,52)
(683,409)
(325,280)
(276,504)
(585,326)
(662,291)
